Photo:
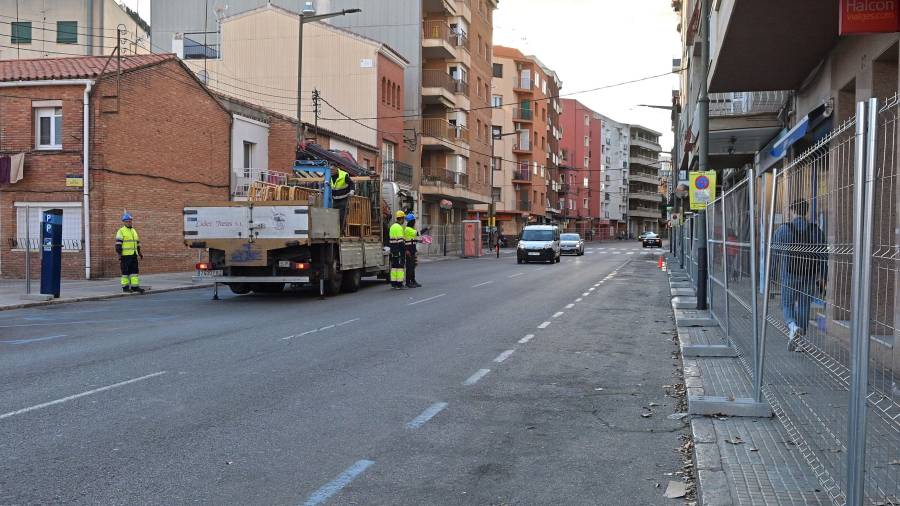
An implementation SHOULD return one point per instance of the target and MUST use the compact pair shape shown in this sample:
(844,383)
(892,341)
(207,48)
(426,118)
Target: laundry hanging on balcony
(12,168)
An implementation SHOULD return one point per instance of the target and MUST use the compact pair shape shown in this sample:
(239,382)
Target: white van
(539,243)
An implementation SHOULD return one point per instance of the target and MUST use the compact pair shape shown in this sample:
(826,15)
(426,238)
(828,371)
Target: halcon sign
(869,16)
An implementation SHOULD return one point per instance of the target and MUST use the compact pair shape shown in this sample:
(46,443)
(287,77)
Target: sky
(592,43)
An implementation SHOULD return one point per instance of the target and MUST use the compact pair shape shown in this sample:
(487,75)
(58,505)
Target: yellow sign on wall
(703,189)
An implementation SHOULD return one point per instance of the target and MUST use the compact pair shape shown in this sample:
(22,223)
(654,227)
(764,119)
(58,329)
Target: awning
(787,139)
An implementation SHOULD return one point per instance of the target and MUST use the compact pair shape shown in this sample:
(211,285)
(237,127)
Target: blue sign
(51,251)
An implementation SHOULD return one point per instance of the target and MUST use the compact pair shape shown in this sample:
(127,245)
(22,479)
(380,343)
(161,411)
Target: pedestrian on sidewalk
(411,236)
(128,247)
(803,268)
(397,242)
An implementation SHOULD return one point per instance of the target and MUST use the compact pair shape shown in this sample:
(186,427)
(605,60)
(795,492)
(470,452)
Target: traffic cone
(660,264)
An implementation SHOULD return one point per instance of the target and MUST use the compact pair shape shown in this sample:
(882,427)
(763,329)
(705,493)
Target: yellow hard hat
(400,214)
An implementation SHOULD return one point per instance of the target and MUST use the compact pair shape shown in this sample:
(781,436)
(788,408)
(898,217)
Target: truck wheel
(239,288)
(351,281)
(333,278)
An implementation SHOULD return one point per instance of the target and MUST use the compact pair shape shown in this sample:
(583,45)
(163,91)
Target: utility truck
(281,229)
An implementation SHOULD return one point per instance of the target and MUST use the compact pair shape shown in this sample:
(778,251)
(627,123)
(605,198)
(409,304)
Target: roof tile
(81,67)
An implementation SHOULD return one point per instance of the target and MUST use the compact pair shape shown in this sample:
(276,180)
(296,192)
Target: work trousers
(129,266)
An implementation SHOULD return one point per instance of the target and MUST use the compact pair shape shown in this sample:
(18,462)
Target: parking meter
(51,251)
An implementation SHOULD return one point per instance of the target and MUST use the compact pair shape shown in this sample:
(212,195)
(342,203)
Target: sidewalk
(12,291)
(739,460)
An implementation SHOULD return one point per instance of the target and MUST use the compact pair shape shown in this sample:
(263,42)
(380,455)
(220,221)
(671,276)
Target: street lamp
(496,133)
(304,18)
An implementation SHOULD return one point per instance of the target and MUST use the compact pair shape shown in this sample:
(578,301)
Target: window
(586,183)
(498,163)
(587,162)
(30,216)
(67,32)
(478,172)
(487,90)
(383,91)
(585,203)
(20,32)
(587,120)
(48,128)
(497,101)
(478,80)
(249,149)
(498,70)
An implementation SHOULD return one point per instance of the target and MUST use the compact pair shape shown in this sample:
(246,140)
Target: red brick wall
(45,171)
(174,138)
(391,127)
(167,136)
(282,144)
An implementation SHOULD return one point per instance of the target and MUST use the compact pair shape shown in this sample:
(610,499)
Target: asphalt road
(495,383)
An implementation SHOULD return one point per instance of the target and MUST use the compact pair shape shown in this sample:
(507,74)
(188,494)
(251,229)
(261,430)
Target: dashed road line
(558,314)
(585,294)
(426,415)
(516,275)
(82,394)
(475,377)
(347,322)
(570,306)
(579,299)
(336,485)
(544,325)
(426,300)
(482,284)
(32,340)
(503,356)
(527,338)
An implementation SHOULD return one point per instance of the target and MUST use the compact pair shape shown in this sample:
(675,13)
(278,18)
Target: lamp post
(496,134)
(304,18)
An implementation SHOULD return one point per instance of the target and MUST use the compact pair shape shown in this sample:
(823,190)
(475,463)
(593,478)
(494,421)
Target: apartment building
(58,28)
(614,187)
(643,181)
(581,169)
(527,113)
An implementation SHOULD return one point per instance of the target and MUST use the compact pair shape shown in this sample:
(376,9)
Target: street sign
(702,189)
(869,16)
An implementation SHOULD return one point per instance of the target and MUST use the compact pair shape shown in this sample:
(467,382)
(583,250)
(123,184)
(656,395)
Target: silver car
(571,244)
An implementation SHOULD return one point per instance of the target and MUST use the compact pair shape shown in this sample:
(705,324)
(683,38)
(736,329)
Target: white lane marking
(558,314)
(336,485)
(326,327)
(482,284)
(347,322)
(82,394)
(516,275)
(539,269)
(579,299)
(570,306)
(630,253)
(503,356)
(527,338)
(615,252)
(32,340)
(426,300)
(585,294)
(475,377)
(588,252)
(544,325)
(591,289)
(426,415)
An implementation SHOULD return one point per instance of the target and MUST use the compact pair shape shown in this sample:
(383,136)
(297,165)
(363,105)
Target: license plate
(209,274)
(534,253)
(284,263)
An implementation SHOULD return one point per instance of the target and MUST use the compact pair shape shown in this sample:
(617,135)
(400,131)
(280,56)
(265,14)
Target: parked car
(651,240)
(538,243)
(571,243)
(644,234)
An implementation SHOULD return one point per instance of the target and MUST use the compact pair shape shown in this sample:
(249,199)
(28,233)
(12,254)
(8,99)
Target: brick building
(581,170)
(148,140)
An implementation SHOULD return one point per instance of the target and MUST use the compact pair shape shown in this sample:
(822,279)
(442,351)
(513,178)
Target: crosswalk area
(629,250)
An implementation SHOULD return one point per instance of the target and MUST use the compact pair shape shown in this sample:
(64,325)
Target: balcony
(464,10)
(746,61)
(441,176)
(524,205)
(440,88)
(640,177)
(523,115)
(522,147)
(449,184)
(438,41)
(523,84)
(642,160)
(440,7)
(397,172)
(645,143)
(564,188)
(645,212)
(645,196)
(441,134)
(522,174)
(746,103)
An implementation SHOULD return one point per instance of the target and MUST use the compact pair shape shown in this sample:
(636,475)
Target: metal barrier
(818,333)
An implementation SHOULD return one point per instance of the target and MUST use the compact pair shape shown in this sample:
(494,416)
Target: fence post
(702,263)
(725,269)
(754,284)
(27,250)
(770,232)
(681,246)
(863,202)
